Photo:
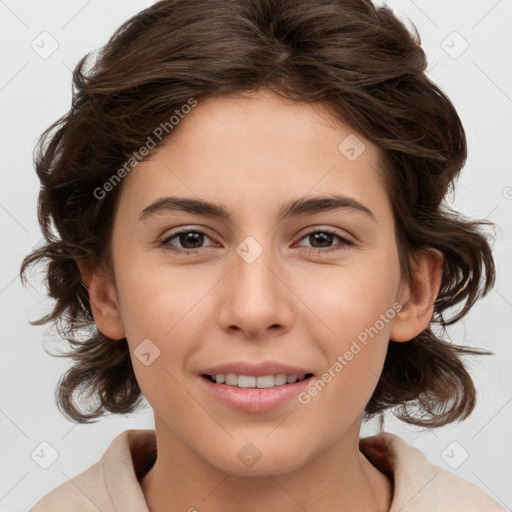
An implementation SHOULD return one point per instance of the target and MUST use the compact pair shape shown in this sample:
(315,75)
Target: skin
(252,153)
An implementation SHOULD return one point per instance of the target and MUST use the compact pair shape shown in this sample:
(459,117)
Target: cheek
(346,299)
(154,301)
(163,311)
(353,313)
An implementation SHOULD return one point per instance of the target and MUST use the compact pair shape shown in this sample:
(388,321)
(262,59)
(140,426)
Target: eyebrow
(293,208)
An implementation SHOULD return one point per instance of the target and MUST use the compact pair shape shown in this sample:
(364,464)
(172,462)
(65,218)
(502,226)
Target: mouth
(255,393)
(255,382)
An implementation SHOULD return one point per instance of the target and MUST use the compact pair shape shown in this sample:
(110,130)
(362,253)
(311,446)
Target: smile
(248,393)
(252,381)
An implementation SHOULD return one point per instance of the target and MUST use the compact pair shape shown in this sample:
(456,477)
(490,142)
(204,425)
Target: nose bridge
(255,271)
(255,298)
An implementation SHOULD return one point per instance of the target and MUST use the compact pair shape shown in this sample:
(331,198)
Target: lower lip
(254,399)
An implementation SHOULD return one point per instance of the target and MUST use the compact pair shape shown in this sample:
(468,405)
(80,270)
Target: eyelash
(165,241)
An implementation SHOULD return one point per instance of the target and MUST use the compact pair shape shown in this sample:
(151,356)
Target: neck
(340,479)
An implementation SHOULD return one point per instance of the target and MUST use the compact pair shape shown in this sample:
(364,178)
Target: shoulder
(420,485)
(85,492)
(109,484)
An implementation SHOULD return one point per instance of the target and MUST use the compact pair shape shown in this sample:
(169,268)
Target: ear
(104,302)
(418,295)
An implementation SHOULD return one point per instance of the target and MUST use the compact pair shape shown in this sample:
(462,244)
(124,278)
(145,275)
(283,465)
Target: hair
(358,59)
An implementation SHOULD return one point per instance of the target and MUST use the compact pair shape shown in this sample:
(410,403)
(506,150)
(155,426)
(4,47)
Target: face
(314,290)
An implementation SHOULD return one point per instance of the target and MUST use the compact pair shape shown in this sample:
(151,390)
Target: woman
(247,198)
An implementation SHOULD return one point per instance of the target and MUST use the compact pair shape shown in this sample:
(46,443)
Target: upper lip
(258,370)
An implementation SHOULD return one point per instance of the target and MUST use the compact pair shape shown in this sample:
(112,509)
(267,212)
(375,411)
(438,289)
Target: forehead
(257,149)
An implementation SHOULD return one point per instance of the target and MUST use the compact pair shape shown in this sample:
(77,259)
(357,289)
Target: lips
(256,370)
(259,399)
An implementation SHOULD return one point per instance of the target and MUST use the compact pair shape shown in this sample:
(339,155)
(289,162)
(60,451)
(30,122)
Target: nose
(256,297)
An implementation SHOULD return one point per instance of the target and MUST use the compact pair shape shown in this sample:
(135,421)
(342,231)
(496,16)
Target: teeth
(251,381)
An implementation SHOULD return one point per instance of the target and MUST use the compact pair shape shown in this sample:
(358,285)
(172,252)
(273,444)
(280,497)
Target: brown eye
(323,238)
(189,240)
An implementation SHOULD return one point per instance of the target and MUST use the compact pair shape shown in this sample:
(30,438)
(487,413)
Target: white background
(34,92)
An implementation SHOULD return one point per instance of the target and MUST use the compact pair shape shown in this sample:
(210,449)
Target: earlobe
(418,296)
(104,302)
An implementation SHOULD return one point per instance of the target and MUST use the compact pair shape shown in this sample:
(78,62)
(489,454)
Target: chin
(250,458)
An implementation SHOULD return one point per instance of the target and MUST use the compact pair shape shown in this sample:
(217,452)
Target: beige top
(112,483)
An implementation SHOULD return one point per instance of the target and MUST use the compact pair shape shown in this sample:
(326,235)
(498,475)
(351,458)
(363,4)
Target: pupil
(322,236)
(191,237)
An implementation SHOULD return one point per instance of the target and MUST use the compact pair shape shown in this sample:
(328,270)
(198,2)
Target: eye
(190,240)
(325,237)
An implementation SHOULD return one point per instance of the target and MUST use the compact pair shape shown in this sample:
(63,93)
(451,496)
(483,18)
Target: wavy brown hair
(359,60)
